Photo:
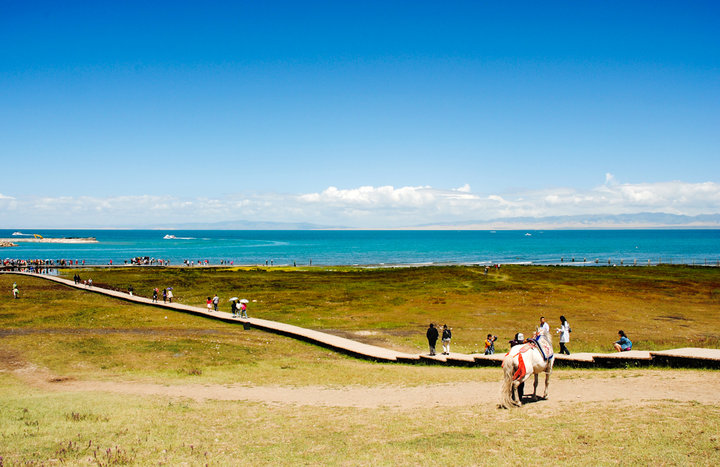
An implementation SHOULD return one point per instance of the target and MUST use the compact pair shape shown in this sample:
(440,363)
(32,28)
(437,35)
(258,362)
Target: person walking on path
(490,344)
(624,344)
(209,304)
(155,295)
(169,294)
(564,331)
(234,307)
(164,295)
(243,310)
(215,302)
(446,336)
(432,337)
(130,290)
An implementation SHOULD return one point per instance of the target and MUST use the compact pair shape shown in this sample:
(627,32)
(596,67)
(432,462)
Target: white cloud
(372,197)
(364,207)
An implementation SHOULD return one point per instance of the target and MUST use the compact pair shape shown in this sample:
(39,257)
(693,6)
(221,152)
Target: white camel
(531,358)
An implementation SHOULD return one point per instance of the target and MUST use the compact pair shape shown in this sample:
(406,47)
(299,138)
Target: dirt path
(630,386)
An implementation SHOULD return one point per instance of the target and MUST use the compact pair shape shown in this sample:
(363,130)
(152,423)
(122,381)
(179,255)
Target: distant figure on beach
(15,290)
(446,336)
(564,331)
(215,302)
(209,304)
(432,337)
(490,344)
(624,344)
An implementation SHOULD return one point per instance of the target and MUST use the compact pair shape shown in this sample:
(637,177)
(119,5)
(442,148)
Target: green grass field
(81,336)
(658,307)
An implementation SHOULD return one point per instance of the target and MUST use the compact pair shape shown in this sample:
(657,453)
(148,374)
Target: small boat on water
(17,234)
(528,234)
(169,237)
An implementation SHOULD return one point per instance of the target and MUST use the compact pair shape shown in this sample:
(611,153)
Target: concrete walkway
(686,357)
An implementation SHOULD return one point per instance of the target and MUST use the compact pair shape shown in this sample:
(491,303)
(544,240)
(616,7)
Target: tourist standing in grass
(15,290)
(432,337)
(446,336)
(624,344)
(564,331)
(490,344)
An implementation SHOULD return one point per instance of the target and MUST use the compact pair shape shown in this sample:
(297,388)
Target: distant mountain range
(649,220)
(642,220)
(241,225)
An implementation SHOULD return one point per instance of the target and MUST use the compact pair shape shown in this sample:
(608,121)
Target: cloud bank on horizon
(362,207)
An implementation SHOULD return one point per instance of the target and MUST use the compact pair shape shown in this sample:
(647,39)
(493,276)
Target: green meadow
(658,307)
(55,333)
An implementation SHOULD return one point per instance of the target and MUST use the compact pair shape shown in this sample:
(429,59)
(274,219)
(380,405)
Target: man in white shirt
(544,326)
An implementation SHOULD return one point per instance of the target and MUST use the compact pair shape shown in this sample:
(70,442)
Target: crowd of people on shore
(37,265)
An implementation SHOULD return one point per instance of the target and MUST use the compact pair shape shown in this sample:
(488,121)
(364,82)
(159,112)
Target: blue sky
(366,114)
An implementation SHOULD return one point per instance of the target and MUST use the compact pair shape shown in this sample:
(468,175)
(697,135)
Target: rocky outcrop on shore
(50,240)
(6,244)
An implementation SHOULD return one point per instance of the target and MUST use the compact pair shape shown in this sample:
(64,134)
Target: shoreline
(55,269)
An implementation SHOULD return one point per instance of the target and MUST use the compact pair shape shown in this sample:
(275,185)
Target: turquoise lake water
(381,247)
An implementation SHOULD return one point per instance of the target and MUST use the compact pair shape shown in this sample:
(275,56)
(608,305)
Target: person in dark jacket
(446,336)
(517,340)
(432,337)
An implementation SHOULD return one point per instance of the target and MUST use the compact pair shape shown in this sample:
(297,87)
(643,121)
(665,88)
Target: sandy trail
(635,386)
